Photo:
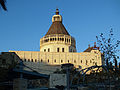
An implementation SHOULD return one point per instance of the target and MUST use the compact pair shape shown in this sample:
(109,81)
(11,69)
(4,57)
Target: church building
(59,47)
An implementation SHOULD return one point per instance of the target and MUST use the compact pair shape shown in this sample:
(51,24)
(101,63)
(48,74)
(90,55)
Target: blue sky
(29,20)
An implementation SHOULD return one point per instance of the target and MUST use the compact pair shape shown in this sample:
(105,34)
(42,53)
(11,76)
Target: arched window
(41,60)
(62,39)
(74,61)
(55,39)
(48,60)
(48,49)
(28,60)
(35,60)
(58,49)
(55,60)
(69,40)
(32,60)
(62,49)
(46,40)
(44,50)
(81,61)
(61,61)
(90,61)
(68,61)
(25,60)
(96,63)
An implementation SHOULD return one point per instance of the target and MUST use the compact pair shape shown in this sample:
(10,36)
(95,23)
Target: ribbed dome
(57,28)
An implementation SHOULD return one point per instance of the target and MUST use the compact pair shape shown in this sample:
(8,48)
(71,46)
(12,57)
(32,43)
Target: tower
(57,39)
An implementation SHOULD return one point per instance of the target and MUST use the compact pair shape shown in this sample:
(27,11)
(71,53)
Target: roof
(89,49)
(57,28)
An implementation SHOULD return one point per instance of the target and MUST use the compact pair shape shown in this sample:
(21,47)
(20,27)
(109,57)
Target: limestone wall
(52,42)
(44,59)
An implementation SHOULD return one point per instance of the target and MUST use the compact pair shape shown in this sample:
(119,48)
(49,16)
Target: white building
(58,47)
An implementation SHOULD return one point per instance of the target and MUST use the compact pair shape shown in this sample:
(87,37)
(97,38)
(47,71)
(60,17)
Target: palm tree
(2,4)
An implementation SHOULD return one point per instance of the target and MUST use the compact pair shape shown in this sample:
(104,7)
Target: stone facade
(58,47)
(51,43)
(42,60)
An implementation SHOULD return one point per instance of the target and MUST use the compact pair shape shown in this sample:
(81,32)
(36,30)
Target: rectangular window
(48,49)
(58,50)
(86,62)
(62,49)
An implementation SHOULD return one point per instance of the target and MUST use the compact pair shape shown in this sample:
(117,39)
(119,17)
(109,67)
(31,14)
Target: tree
(108,47)
(2,4)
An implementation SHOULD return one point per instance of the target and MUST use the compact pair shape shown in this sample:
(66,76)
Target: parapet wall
(83,59)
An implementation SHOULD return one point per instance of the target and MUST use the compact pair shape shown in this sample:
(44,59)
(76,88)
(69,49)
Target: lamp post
(67,67)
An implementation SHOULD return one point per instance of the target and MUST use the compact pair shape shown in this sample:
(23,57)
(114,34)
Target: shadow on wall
(41,67)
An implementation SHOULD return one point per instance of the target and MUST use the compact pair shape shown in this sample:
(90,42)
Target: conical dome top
(57,27)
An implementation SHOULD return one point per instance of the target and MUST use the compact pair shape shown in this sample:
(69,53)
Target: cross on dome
(57,11)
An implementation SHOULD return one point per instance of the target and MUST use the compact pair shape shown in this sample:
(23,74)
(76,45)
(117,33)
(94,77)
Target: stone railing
(57,38)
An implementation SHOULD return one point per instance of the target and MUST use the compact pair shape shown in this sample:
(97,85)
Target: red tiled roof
(91,48)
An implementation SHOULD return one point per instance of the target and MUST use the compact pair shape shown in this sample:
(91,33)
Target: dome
(57,27)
